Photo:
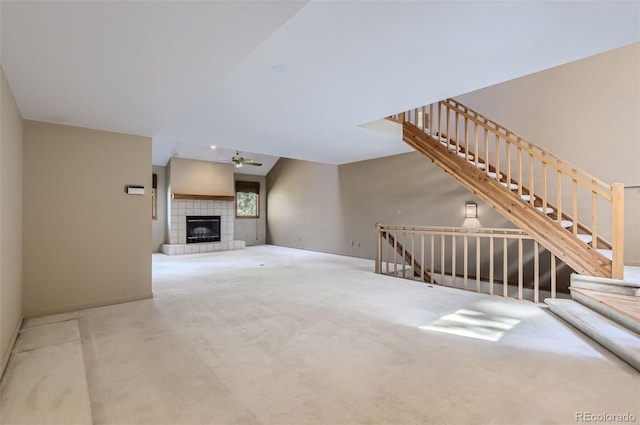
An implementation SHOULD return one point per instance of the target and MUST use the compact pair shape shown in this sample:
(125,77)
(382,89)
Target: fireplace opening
(203,228)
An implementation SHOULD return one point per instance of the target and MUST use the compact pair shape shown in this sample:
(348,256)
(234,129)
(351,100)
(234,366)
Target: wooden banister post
(617,200)
(378,248)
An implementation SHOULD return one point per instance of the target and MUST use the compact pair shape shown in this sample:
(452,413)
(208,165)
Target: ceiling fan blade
(251,162)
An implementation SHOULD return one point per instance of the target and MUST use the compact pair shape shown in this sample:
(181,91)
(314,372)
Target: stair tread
(549,210)
(585,238)
(565,223)
(621,341)
(527,198)
(464,155)
(607,253)
(451,146)
(494,175)
(479,165)
(511,186)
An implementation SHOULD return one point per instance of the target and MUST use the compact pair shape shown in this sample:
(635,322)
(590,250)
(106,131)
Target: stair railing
(474,259)
(546,181)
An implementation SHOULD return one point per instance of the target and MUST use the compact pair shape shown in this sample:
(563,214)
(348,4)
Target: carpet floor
(275,336)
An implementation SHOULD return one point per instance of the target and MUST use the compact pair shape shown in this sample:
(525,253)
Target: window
(247,199)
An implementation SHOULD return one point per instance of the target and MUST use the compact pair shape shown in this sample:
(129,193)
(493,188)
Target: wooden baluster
(466,137)
(508,147)
(544,183)
(453,259)
(531,191)
(553,276)
(378,248)
(476,151)
(413,253)
(505,270)
(424,118)
(536,273)
(457,135)
(491,265)
(446,109)
(439,121)
(422,256)
(388,245)
(466,260)
(404,252)
(433,246)
(617,245)
(497,154)
(574,201)
(594,216)
(442,250)
(519,169)
(477,263)
(395,254)
(431,120)
(486,151)
(559,193)
(520,266)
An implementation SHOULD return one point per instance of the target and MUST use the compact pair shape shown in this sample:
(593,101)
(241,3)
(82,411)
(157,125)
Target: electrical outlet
(358,244)
(350,243)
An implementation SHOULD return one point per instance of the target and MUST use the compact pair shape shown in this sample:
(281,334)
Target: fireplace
(203,228)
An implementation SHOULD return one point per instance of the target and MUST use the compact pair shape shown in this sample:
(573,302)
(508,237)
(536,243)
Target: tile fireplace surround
(179,209)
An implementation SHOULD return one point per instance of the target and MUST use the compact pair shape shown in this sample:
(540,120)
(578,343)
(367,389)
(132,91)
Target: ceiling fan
(239,161)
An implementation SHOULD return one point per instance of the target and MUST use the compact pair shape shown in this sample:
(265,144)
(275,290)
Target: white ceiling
(191,74)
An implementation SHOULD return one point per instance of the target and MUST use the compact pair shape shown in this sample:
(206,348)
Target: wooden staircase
(503,168)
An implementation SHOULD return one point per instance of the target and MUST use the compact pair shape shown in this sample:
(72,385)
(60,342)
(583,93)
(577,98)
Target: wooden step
(493,175)
(527,198)
(616,338)
(623,309)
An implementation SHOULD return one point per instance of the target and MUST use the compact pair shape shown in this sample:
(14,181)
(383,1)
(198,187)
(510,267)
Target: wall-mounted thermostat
(135,190)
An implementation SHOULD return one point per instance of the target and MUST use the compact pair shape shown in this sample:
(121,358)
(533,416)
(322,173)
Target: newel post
(378,248)
(617,200)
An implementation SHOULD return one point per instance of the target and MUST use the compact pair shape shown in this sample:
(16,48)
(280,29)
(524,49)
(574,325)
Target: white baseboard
(7,353)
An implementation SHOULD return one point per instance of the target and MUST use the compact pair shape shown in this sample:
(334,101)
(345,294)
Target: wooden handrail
(542,175)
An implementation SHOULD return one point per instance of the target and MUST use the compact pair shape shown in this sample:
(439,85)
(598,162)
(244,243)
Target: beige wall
(326,207)
(304,206)
(10,220)
(159,226)
(253,230)
(587,112)
(86,242)
(193,177)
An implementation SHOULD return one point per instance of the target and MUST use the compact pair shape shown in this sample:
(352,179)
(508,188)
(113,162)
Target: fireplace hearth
(203,228)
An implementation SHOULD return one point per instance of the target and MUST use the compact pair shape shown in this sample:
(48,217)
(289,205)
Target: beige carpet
(273,336)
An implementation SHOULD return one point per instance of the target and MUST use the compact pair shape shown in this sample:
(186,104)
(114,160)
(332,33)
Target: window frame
(251,188)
